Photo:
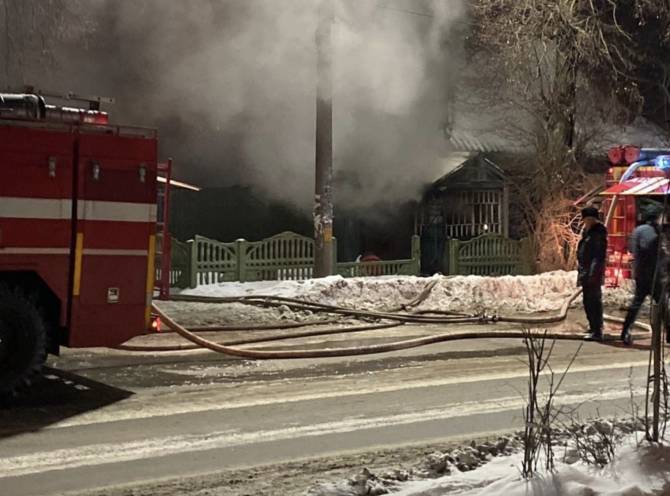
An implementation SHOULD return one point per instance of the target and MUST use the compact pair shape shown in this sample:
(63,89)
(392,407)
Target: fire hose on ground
(400,319)
(425,317)
(295,335)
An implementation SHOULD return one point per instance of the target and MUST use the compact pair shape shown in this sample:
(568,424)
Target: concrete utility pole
(323,195)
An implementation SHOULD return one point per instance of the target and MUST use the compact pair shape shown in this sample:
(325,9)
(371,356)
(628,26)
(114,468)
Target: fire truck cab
(77,232)
(636,179)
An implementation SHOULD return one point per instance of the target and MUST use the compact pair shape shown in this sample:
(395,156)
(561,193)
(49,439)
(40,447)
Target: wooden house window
(472,213)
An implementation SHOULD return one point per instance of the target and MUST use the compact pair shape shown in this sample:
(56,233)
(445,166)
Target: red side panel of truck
(78,208)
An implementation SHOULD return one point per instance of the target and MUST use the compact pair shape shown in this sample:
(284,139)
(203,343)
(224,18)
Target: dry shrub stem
(540,413)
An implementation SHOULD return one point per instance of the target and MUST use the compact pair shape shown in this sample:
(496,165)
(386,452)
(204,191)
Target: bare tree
(560,66)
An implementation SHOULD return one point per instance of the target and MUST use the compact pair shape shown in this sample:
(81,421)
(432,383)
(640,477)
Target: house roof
(473,141)
(456,161)
(453,161)
(496,126)
(640,132)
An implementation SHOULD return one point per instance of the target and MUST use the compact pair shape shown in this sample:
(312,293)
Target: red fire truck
(77,232)
(636,179)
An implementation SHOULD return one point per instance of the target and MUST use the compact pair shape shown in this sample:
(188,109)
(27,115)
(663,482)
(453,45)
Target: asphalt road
(103,419)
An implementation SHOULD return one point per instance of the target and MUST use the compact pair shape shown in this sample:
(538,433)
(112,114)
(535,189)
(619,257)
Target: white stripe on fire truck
(117,211)
(66,251)
(60,209)
(660,185)
(35,208)
(645,186)
(638,186)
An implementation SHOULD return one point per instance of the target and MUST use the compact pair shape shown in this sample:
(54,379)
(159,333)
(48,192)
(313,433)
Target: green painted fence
(286,256)
(180,272)
(408,267)
(212,261)
(490,255)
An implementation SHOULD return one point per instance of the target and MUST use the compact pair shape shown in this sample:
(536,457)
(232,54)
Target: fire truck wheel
(22,342)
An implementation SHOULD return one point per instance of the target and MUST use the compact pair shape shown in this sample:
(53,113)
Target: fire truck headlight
(143,173)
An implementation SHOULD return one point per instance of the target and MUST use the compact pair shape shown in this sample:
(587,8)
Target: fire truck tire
(22,342)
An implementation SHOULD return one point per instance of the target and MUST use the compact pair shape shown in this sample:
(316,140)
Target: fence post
(416,255)
(193,262)
(241,259)
(333,269)
(453,256)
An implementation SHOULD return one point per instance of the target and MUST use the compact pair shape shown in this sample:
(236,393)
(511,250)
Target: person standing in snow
(644,247)
(591,257)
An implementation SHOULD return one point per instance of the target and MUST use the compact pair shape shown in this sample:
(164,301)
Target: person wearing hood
(591,257)
(644,248)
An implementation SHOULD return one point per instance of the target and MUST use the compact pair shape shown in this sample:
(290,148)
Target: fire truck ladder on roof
(163,238)
(93,101)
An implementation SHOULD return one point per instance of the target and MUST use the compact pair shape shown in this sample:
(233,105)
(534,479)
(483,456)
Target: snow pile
(234,314)
(619,297)
(636,470)
(543,292)
(493,469)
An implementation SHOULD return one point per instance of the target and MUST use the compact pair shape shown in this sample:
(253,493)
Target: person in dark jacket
(644,247)
(591,255)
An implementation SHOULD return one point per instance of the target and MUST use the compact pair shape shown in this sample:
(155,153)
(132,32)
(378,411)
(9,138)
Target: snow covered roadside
(537,293)
(493,469)
(636,471)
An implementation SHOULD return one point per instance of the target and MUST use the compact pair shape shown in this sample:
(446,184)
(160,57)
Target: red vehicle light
(94,117)
(616,155)
(156,323)
(631,154)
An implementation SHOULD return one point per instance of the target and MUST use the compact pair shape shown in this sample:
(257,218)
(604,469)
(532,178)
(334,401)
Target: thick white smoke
(231,86)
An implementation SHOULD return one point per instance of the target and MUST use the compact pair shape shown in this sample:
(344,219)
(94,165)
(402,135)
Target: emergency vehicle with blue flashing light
(79,234)
(637,178)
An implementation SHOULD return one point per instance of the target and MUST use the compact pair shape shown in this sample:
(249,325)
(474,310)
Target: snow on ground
(537,293)
(493,469)
(636,471)
(214,314)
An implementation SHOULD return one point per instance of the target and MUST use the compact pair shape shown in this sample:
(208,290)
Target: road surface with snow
(181,423)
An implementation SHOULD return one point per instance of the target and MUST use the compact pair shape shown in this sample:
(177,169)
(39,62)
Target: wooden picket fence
(490,255)
(286,256)
(407,267)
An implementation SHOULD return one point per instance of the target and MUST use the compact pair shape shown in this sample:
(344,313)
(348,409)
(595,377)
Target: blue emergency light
(662,162)
(657,157)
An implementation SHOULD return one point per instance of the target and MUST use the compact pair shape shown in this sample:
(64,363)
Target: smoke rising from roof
(231,87)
